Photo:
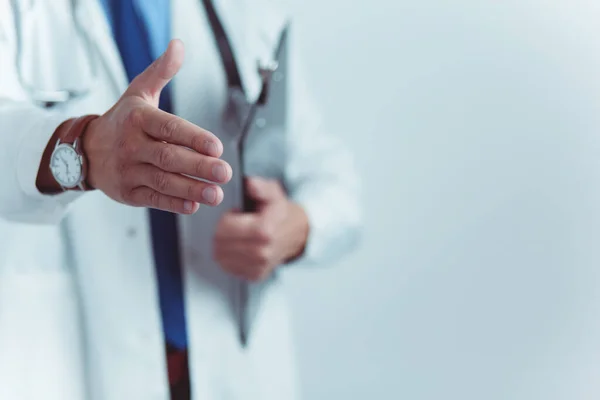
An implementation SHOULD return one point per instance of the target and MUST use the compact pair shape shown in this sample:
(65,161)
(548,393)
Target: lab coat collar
(252,26)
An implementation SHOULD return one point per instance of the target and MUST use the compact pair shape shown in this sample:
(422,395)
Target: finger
(235,269)
(243,226)
(151,82)
(169,128)
(173,158)
(243,252)
(177,185)
(146,197)
(238,268)
(244,271)
(263,190)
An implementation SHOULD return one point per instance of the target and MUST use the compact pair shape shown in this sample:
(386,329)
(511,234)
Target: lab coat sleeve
(320,174)
(24,133)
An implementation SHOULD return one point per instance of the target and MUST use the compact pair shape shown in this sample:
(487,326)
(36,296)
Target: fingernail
(211,148)
(188,206)
(209,194)
(219,173)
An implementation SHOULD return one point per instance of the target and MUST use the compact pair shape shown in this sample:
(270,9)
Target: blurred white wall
(476,125)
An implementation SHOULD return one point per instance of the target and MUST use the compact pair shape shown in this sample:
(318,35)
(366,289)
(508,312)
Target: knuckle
(263,256)
(264,233)
(191,192)
(153,199)
(161,181)
(197,143)
(122,171)
(199,167)
(135,117)
(129,196)
(168,128)
(126,195)
(165,157)
(126,148)
(123,180)
(174,205)
(122,145)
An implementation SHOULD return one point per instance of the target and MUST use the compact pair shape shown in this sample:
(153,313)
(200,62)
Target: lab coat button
(131,232)
(261,122)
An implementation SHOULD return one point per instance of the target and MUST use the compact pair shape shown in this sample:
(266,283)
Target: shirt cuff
(43,207)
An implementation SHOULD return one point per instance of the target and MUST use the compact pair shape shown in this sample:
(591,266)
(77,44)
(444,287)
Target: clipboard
(241,117)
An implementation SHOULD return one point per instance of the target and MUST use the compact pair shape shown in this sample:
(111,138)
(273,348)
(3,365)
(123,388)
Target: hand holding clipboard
(247,293)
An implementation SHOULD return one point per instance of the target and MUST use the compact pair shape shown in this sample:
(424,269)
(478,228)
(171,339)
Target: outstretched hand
(142,156)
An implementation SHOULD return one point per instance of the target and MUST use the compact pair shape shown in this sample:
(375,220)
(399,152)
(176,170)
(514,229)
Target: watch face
(66,166)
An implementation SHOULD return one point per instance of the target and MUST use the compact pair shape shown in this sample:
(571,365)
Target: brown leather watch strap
(66,132)
(74,135)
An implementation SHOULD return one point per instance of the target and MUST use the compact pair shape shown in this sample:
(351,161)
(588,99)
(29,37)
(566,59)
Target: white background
(476,126)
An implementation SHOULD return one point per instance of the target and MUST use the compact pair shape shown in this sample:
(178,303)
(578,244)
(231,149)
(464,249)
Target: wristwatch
(68,163)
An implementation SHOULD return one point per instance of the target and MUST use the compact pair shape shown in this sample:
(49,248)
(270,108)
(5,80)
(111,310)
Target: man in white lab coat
(115,283)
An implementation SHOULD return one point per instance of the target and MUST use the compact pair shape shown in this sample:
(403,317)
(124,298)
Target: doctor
(116,281)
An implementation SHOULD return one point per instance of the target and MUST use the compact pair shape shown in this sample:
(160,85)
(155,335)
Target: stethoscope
(50,98)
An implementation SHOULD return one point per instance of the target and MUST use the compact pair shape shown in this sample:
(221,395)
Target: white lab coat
(79,316)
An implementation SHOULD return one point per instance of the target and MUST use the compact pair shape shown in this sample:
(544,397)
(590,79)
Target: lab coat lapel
(100,34)
(253,28)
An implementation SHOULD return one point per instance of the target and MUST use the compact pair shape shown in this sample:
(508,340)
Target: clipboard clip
(266,71)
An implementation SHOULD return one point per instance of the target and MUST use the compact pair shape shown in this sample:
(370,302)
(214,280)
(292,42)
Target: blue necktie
(134,30)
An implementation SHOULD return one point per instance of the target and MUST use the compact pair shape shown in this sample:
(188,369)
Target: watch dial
(66,166)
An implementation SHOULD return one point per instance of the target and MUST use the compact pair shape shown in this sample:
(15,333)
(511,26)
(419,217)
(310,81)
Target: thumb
(151,82)
(263,190)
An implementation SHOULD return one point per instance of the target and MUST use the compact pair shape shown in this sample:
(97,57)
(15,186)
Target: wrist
(68,137)
(45,181)
(89,147)
(75,137)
